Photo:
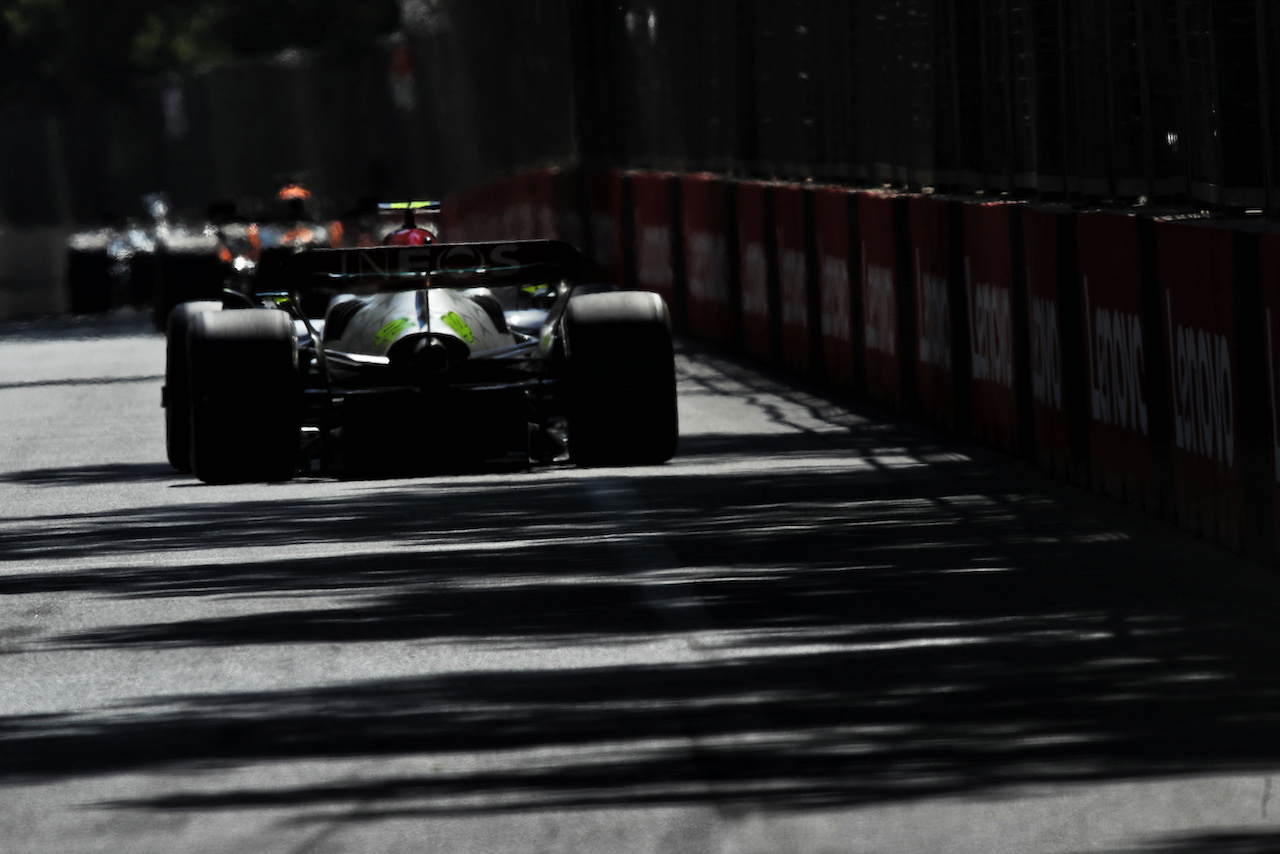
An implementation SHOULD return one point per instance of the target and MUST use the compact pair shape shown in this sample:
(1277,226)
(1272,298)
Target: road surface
(818,629)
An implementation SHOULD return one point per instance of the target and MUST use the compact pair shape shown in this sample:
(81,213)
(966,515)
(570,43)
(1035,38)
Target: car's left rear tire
(177,390)
(246,398)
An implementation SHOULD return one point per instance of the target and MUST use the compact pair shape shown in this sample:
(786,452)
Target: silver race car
(427,358)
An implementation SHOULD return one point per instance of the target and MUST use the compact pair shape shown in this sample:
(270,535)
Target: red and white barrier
(516,207)
(880,280)
(1062,359)
(931,269)
(753,271)
(604,206)
(651,214)
(453,216)
(540,185)
(1046,319)
(567,204)
(791,230)
(836,266)
(1110,272)
(484,218)
(989,283)
(705,225)
(1269,263)
(1197,293)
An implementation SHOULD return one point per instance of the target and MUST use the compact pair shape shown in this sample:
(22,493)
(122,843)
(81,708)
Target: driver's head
(409,237)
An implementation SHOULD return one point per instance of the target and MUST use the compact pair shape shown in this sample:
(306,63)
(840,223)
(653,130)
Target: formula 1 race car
(428,358)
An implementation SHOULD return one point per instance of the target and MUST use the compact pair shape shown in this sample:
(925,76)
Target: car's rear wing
(382,268)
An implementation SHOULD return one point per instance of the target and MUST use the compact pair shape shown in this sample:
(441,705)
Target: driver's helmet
(293,192)
(409,237)
(293,200)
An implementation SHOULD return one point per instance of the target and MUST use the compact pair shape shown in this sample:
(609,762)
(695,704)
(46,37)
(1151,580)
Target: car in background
(159,261)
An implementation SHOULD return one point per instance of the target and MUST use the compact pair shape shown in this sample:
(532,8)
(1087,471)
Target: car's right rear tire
(246,398)
(621,402)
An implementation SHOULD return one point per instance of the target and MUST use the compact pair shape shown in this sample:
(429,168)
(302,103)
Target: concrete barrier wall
(941,335)
(888,320)
(999,364)
(1268,464)
(707,227)
(757,271)
(1056,345)
(33,272)
(1136,356)
(837,256)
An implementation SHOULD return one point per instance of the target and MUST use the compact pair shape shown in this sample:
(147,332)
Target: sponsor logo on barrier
(991,340)
(795,307)
(569,225)
(708,267)
(544,220)
(517,219)
(755,286)
(1046,352)
(1117,367)
(935,318)
(880,329)
(835,299)
(1203,395)
(654,268)
(606,243)
(1275,422)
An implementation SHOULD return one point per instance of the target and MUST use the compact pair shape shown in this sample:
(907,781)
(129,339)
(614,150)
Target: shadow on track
(786,730)
(1258,842)
(89,475)
(870,635)
(869,627)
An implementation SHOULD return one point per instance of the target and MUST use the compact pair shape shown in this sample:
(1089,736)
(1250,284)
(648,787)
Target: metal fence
(1143,100)
(1097,101)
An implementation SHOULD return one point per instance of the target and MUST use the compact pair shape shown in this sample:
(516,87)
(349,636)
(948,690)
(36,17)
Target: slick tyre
(176,395)
(621,379)
(245,396)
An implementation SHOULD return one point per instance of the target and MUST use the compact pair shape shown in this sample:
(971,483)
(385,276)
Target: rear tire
(621,379)
(245,396)
(177,387)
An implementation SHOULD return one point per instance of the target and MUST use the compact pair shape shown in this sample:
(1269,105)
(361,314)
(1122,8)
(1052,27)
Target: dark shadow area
(80,382)
(89,475)
(823,729)
(1210,843)
(533,508)
(873,621)
(878,633)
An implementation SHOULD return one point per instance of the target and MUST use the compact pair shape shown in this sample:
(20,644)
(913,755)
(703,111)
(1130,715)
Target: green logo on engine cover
(458,325)
(387,334)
